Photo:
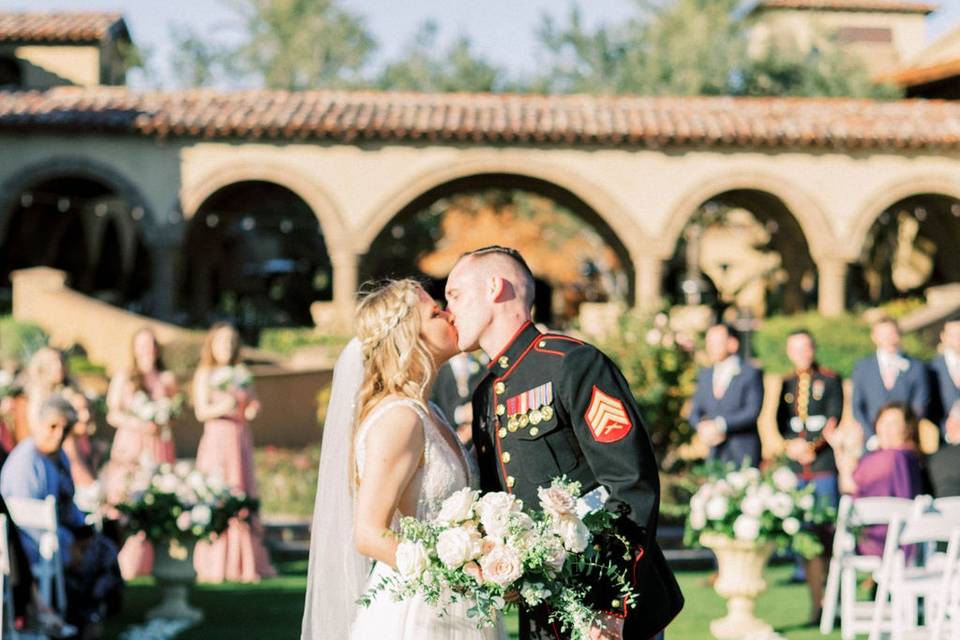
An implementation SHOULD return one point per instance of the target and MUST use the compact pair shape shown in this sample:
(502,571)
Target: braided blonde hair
(396,360)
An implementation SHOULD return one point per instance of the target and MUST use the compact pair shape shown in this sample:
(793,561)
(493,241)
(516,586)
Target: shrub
(287,479)
(841,341)
(284,341)
(660,368)
(19,340)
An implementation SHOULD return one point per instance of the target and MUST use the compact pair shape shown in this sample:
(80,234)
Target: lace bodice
(443,467)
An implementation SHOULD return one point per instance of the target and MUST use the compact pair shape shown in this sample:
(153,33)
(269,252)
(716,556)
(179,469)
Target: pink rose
(502,566)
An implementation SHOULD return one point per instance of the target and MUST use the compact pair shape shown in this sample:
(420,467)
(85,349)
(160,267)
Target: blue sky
(502,30)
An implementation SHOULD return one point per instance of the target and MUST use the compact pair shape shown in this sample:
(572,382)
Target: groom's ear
(502,289)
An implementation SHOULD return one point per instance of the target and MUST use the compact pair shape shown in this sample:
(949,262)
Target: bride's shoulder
(393,418)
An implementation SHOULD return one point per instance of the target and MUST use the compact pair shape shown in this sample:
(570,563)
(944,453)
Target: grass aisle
(272,609)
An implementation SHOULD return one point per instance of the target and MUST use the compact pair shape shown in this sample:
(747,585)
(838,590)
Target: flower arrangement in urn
(745,504)
(177,502)
(482,549)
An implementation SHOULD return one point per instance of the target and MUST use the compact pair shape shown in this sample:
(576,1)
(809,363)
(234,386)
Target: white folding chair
(8,625)
(930,579)
(949,506)
(845,563)
(41,515)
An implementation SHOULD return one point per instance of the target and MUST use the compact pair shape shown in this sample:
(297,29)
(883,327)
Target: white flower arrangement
(480,548)
(746,505)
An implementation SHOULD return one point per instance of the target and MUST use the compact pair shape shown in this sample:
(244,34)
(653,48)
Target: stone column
(648,288)
(832,284)
(164,244)
(346,276)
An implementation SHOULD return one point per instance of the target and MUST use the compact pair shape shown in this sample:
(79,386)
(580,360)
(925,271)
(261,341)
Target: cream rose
(412,560)
(457,546)
(201,514)
(806,502)
(784,479)
(502,566)
(556,555)
(746,528)
(698,519)
(575,534)
(717,508)
(494,510)
(184,522)
(458,507)
(781,505)
(752,505)
(791,526)
(556,501)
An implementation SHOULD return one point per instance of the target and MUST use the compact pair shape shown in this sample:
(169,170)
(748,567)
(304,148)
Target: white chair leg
(830,598)
(848,600)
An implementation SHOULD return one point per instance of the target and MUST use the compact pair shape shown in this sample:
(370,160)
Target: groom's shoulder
(560,345)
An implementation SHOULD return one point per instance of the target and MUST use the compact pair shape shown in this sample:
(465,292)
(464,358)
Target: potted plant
(743,516)
(175,506)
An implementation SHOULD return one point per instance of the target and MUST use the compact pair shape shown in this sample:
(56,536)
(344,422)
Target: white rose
(412,560)
(781,505)
(698,519)
(167,483)
(201,514)
(575,534)
(495,509)
(791,526)
(556,501)
(737,480)
(182,469)
(717,508)
(458,507)
(752,474)
(457,546)
(721,487)
(784,479)
(184,522)
(556,555)
(806,502)
(746,528)
(502,566)
(752,505)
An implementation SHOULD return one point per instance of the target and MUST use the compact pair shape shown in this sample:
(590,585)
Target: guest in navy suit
(727,400)
(889,376)
(945,370)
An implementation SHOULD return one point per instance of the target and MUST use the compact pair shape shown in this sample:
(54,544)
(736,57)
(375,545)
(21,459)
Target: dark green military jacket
(551,406)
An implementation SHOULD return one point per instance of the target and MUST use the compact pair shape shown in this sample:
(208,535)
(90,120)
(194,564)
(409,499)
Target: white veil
(337,574)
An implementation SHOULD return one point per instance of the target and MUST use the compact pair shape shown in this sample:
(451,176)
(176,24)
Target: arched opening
(255,254)
(909,248)
(743,249)
(574,253)
(82,226)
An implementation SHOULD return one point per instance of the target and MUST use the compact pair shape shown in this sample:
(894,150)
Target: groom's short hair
(514,256)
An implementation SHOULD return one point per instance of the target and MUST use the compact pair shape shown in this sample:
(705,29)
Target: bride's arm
(394,449)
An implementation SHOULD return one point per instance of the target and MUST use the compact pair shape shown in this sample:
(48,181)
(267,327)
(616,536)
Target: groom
(551,405)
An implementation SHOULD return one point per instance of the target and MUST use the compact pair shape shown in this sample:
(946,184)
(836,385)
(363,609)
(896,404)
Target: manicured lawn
(272,609)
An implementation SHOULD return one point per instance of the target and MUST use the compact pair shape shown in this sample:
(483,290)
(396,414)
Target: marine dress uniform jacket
(551,406)
(810,402)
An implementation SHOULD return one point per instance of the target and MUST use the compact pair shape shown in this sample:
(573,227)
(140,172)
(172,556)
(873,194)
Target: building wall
(805,28)
(46,66)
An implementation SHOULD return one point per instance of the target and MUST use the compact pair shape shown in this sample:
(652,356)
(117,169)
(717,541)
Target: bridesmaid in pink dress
(224,401)
(137,442)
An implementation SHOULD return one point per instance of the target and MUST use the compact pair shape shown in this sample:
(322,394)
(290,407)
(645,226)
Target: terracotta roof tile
(61,27)
(488,118)
(892,6)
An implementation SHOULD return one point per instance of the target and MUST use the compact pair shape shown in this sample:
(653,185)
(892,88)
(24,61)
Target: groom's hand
(608,627)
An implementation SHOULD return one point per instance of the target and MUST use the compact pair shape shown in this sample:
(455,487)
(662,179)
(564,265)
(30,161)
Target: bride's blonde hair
(396,360)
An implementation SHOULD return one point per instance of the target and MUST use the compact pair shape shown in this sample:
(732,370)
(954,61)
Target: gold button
(542,344)
(505,456)
(616,604)
(511,481)
(499,388)
(502,432)
(483,449)
(534,432)
(504,362)
(501,409)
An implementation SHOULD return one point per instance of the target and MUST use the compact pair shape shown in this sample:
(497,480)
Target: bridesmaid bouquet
(746,504)
(235,378)
(177,502)
(486,551)
(160,411)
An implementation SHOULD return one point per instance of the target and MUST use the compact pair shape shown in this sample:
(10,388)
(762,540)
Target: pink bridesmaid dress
(226,450)
(133,443)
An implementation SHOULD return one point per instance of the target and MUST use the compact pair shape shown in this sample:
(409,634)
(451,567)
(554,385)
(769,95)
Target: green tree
(423,66)
(277,44)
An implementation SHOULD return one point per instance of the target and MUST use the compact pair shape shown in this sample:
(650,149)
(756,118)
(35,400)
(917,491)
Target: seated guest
(85,455)
(945,383)
(38,468)
(893,470)
(47,375)
(944,466)
(885,377)
(727,401)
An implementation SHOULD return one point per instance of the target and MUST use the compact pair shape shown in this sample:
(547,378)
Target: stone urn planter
(173,569)
(740,581)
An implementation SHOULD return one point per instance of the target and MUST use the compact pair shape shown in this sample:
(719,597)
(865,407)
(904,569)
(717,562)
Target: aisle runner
(156,630)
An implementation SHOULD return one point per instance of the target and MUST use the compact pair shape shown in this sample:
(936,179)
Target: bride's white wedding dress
(445,471)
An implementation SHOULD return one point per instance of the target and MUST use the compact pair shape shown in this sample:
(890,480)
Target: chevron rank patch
(607,417)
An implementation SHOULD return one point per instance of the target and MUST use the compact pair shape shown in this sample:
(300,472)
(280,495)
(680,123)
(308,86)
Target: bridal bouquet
(177,502)
(486,551)
(235,378)
(746,504)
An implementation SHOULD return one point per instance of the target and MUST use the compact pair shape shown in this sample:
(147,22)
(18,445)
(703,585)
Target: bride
(386,453)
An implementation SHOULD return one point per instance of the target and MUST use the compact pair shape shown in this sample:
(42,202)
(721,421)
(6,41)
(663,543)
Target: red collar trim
(496,358)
